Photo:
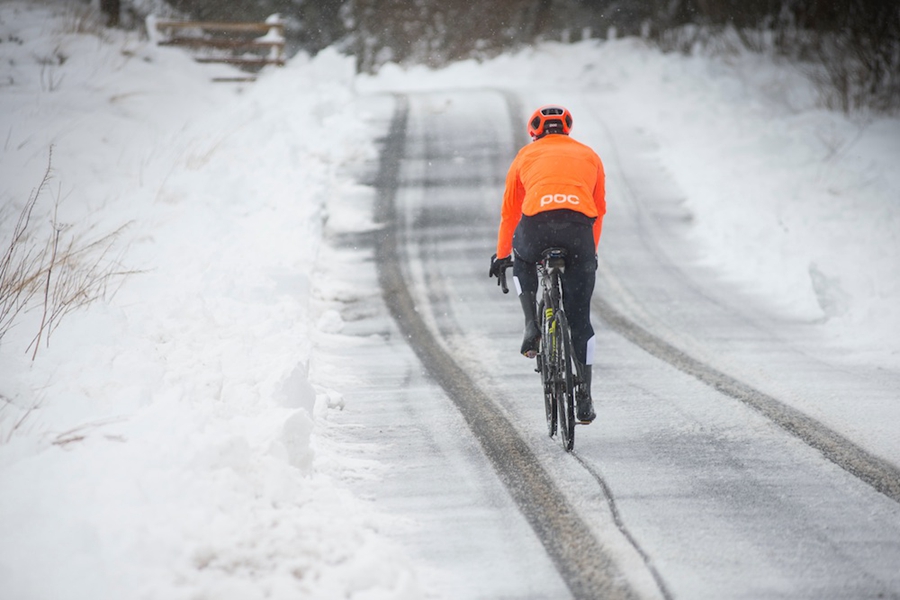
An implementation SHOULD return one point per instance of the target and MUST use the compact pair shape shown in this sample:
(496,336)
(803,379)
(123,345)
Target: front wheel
(565,382)
(545,368)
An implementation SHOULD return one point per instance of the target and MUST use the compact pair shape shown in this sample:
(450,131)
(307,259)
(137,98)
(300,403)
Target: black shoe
(532,341)
(585,410)
(584,405)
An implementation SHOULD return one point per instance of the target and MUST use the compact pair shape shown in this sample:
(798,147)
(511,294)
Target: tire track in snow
(876,472)
(583,563)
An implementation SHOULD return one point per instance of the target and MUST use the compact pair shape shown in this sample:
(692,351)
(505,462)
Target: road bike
(555,358)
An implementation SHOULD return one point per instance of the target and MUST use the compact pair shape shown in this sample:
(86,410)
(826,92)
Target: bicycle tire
(565,397)
(545,368)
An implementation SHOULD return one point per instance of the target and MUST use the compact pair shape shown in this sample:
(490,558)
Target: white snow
(798,202)
(166,443)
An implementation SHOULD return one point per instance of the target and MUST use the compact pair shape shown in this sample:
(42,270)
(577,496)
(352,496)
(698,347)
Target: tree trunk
(110,8)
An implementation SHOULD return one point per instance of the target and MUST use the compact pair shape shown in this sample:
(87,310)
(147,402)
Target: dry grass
(54,270)
(85,19)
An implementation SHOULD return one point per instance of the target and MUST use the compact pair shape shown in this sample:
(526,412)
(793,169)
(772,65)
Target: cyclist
(555,197)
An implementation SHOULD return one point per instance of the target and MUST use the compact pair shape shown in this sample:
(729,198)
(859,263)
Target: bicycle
(555,358)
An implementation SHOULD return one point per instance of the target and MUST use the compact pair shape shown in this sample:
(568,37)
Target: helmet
(549,119)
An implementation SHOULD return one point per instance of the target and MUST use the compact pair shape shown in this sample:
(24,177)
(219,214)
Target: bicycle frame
(555,356)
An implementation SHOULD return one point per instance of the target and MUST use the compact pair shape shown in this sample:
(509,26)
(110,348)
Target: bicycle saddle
(554,258)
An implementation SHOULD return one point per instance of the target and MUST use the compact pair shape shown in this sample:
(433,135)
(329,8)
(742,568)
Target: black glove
(498,265)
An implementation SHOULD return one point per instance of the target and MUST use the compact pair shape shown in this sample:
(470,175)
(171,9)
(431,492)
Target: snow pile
(797,203)
(162,445)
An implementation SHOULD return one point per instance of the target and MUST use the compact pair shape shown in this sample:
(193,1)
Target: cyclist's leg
(529,241)
(524,275)
(575,235)
(526,282)
(578,286)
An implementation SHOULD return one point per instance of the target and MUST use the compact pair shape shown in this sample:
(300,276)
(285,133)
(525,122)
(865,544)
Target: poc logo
(559,199)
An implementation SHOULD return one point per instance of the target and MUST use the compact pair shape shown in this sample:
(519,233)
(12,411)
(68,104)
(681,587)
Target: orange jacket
(551,173)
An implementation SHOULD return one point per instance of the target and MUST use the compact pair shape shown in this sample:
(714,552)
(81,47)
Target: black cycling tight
(574,232)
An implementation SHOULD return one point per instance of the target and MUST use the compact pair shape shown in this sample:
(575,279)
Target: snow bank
(797,203)
(163,445)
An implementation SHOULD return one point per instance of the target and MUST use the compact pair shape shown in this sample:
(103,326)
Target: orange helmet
(549,119)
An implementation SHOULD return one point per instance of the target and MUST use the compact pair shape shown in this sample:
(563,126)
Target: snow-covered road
(694,493)
(244,418)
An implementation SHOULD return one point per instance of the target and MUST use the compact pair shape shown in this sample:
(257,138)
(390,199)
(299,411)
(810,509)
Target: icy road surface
(691,492)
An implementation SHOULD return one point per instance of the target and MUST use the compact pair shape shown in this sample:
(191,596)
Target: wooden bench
(249,46)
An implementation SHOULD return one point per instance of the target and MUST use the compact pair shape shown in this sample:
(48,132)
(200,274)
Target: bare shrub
(50,77)
(436,33)
(853,47)
(56,271)
(21,265)
(13,418)
(856,74)
(85,19)
(850,51)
